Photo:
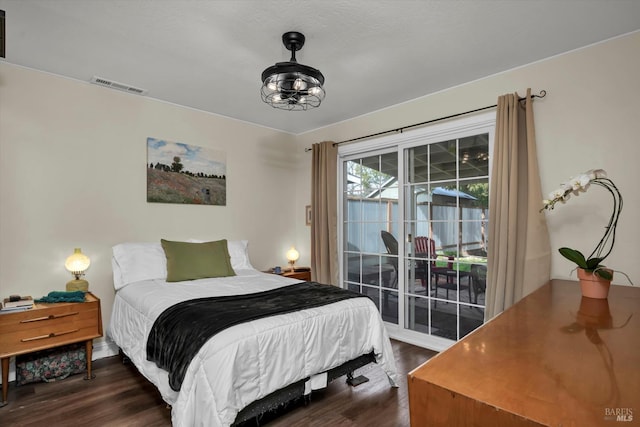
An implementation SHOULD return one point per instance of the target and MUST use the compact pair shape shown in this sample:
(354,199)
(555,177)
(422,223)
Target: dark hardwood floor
(120,396)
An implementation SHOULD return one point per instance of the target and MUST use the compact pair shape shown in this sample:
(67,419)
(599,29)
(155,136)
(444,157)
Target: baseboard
(105,348)
(429,342)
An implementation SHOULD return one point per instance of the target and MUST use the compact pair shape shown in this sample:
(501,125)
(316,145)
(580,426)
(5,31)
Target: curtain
(519,248)
(324,213)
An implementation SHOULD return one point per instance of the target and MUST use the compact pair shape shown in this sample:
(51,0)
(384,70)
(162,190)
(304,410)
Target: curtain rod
(542,94)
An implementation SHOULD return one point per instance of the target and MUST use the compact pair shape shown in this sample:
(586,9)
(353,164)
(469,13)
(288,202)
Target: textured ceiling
(209,55)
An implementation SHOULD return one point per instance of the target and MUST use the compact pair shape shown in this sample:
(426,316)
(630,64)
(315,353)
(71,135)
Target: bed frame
(293,391)
(296,390)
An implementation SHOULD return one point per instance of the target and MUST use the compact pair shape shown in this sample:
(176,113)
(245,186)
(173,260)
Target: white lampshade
(292,255)
(77,262)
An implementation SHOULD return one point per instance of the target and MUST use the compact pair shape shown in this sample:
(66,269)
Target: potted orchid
(579,184)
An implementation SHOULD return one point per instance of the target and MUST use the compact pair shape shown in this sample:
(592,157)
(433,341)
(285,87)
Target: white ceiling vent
(115,85)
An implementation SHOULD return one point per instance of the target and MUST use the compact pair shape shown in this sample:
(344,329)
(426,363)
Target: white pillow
(133,262)
(238,251)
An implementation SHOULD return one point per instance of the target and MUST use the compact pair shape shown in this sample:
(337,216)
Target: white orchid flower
(580,182)
(576,185)
(584,180)
(557,194)
(596,173)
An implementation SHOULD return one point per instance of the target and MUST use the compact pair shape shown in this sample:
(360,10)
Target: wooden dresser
(46,326)
(553,359)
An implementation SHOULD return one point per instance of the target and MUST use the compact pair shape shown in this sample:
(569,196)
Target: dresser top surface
(89,297)
(554,355)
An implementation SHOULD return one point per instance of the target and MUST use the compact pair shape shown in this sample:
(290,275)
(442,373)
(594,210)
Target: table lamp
(77,263)
(292,256)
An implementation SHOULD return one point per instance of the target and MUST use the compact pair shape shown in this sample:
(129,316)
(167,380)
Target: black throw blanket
(182,329)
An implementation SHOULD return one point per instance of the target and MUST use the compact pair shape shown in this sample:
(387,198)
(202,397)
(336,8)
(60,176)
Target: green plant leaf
(592,263)
(574,256)
(605,274)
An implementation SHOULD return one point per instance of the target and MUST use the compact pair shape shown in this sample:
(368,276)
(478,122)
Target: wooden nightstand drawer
(301,275)
(51,328)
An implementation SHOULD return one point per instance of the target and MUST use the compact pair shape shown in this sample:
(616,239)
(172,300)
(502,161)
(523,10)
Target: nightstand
(46,326)
(301,275)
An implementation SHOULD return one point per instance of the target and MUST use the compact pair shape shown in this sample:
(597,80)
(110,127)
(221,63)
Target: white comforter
(248,361)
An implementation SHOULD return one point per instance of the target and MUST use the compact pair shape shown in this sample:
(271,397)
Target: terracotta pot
(592,285)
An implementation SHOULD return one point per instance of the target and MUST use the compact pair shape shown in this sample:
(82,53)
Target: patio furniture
(478,280)
(421,268)
(426,248)
(451,282)
(391,244)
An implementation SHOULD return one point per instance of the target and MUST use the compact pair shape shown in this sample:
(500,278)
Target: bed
(243,369)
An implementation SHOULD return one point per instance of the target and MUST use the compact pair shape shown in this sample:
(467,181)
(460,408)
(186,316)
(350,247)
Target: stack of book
(16,304)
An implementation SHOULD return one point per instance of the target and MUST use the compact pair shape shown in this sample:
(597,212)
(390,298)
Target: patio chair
(426,247)
(478,280)
(391,244)
(423,247)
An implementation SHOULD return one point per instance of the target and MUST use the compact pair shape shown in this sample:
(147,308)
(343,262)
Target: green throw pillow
(190,261)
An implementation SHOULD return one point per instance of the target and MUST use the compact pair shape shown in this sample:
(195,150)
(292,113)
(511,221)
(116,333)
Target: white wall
(73,174)
(73,158)
(589,119)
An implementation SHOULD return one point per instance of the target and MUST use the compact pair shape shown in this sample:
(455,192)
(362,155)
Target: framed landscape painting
(186,174)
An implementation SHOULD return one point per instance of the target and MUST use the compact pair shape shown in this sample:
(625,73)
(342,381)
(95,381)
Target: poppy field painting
(186,174)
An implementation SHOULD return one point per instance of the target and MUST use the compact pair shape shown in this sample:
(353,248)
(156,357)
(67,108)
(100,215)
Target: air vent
(115,85)
(2,34)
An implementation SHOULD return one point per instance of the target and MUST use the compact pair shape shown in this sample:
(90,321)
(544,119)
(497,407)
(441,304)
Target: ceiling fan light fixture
(290,85)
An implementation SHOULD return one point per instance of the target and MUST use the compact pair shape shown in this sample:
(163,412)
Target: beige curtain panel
(519,249)
(324,213)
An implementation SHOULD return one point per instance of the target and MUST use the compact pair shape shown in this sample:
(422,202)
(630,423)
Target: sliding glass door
(414,218)
(370,207)
(446,197)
